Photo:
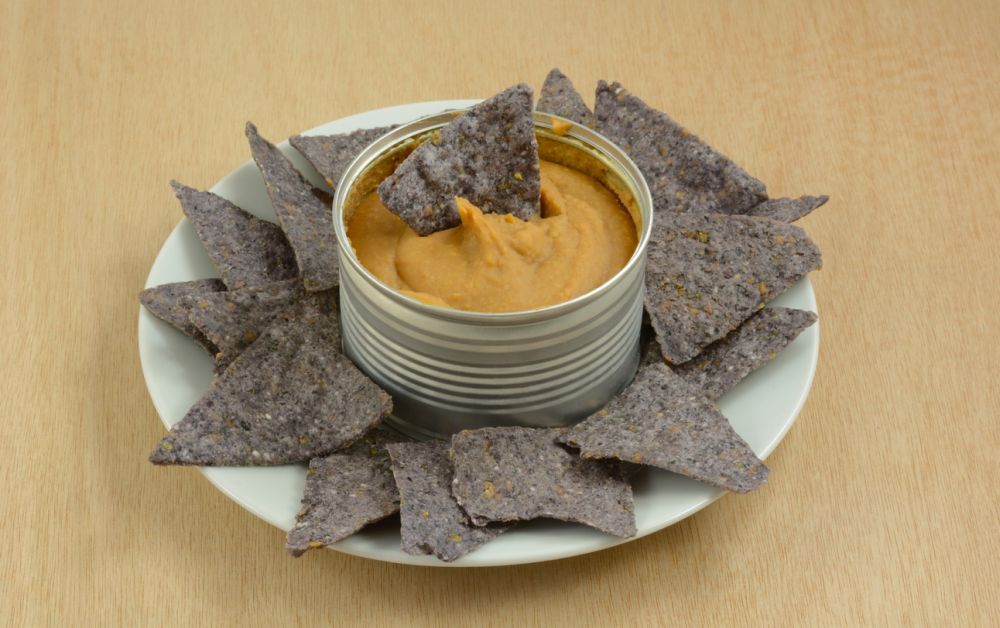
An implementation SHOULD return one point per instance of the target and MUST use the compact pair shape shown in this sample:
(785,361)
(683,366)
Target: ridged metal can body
(449,370)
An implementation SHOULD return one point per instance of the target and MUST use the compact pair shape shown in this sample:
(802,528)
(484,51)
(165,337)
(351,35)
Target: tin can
(449,370)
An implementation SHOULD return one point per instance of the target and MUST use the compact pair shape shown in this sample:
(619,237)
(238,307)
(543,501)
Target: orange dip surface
(497,262)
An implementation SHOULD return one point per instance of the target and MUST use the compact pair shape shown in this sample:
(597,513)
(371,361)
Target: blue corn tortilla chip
(661,420)
(487,155)
(519,473)
(707,273)
(234,319)
(344,492)
(558,96)
(246,250)
(289,397)
(331,154)
(168,303)
(432,521)
(684,173)
(304,214)
(788,209)
(760,338)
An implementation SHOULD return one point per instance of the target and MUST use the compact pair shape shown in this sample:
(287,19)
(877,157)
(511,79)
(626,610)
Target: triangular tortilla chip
(487,155)
(707,273)
(305,219)
(234,319)
(344,492)
(431,520)
(168,303)
(788,209)
(760,339)
(684,173)
(663,421)
(331,154)
(558,96)
(246,250)
(522,473)
(289,397)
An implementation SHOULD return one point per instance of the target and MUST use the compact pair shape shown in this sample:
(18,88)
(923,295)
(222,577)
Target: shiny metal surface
(449,370)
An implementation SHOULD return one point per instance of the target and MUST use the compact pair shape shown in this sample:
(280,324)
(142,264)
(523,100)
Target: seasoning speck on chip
(753,344)
(346,491)
(246,250)
(289,397)
(788,209)
(168,302)
(487,155)
(663,421)
(432,522)
(331,154)
(520,473)
(707,273)
(234,319)
(558,96)
(684,173)
(304,217)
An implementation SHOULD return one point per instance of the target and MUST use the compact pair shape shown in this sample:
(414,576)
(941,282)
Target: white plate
(762,408)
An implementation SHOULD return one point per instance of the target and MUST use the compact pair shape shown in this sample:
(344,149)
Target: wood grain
(883,505)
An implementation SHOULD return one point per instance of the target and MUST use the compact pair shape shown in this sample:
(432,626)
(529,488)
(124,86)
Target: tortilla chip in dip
(487,155)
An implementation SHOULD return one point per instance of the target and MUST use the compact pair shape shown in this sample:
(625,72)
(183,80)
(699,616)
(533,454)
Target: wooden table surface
(883,500)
